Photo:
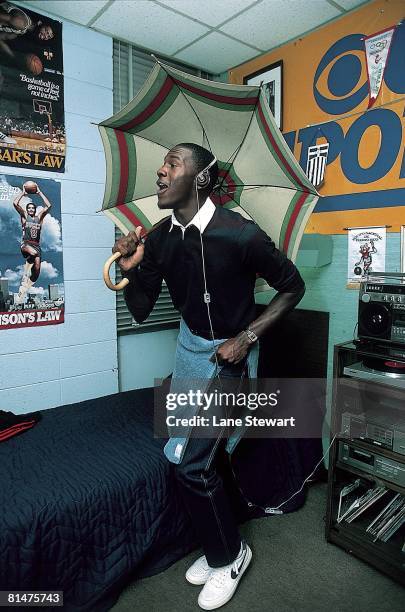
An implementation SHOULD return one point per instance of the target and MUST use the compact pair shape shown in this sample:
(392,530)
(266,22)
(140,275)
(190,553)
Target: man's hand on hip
(131,249)
(232,350)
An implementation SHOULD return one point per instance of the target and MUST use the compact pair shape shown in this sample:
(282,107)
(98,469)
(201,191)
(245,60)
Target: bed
(88,502)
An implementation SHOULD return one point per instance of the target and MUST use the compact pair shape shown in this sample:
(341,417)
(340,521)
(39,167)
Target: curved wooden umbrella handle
(106,274)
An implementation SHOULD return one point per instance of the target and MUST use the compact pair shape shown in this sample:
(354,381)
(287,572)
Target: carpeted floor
(293,569)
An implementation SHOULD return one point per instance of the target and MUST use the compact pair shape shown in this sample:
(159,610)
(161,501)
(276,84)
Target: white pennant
(377,51)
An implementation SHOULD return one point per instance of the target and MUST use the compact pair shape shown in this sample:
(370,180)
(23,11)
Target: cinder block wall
(49,366)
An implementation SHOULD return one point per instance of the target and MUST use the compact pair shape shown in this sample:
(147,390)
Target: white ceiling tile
(149,25)
(273,22)
(212,12)
(216,53)
(79,11)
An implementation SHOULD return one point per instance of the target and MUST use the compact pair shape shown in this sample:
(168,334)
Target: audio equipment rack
(366,477)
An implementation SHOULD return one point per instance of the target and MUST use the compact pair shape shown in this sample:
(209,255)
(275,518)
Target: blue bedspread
(87,502)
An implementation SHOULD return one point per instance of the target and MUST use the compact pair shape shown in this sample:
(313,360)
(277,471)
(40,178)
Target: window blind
(163,314)
(131,67)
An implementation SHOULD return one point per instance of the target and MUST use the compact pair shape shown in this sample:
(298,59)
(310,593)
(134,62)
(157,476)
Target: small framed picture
(271,79)
(402,267)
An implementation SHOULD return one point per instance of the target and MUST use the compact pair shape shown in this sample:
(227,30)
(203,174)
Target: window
(163,314)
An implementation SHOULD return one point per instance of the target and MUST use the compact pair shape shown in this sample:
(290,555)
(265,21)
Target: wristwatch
(251,335)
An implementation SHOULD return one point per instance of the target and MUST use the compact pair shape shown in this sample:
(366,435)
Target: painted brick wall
(50,366)
(145,357)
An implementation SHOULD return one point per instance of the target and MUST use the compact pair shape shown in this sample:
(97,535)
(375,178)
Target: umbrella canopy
(258,175)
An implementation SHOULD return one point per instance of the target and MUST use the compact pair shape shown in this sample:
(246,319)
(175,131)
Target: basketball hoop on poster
(44,107)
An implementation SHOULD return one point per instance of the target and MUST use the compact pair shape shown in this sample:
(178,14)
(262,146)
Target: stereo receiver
(375,430)
(371,463)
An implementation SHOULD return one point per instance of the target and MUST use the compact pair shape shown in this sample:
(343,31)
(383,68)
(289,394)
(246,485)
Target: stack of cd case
(354,500)
(362,503)
(389,520)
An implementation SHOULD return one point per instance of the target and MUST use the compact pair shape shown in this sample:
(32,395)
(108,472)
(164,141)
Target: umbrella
(258,174)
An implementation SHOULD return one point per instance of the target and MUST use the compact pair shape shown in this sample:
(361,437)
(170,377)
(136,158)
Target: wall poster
(32,124)
(31,265)
(366,254)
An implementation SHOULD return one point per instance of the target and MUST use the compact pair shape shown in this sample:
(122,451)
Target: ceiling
(214,35)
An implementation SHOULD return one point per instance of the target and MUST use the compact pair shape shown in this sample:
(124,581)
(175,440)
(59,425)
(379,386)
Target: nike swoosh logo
(236,574)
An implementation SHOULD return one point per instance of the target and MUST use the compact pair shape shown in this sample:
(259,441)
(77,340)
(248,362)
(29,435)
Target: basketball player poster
(32,125)
(31,265)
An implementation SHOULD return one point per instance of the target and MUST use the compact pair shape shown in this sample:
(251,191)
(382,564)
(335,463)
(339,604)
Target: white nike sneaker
(223,581)
(199,572)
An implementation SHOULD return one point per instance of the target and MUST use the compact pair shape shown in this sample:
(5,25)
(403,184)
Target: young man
(207,254)
(31,224)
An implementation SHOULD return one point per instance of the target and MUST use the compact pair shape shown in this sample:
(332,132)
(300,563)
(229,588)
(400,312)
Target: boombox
(382,308)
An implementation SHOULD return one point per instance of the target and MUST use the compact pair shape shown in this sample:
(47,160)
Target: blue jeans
(202,488)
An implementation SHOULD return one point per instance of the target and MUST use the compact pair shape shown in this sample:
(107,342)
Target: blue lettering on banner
(289,137)
(391,135)
(330,130)
(341,79)
(402,171)
(395,68)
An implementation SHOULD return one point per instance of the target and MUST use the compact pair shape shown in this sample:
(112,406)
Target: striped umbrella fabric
(258,175)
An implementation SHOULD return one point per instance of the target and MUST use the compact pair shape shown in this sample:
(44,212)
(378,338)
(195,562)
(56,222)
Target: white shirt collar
(200,219)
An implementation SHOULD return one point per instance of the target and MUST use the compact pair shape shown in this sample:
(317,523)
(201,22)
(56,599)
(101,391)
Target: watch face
(251,335)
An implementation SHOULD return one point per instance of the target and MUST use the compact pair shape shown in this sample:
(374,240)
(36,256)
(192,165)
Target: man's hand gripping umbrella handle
(106,274)
(130,248)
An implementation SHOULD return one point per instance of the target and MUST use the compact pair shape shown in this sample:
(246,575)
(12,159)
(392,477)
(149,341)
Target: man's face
(31,210)
(176,178)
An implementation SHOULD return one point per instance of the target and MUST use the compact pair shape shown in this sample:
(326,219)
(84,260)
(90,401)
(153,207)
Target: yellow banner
(325,99)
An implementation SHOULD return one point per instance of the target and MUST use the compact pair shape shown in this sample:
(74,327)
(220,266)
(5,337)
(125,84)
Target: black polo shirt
(236,251)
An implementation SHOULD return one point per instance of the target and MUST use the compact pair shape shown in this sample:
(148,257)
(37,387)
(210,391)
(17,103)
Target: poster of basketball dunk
(31,265)
(32,125)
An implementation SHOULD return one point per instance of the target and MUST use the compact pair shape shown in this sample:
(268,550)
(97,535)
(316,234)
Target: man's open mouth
(161,187)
